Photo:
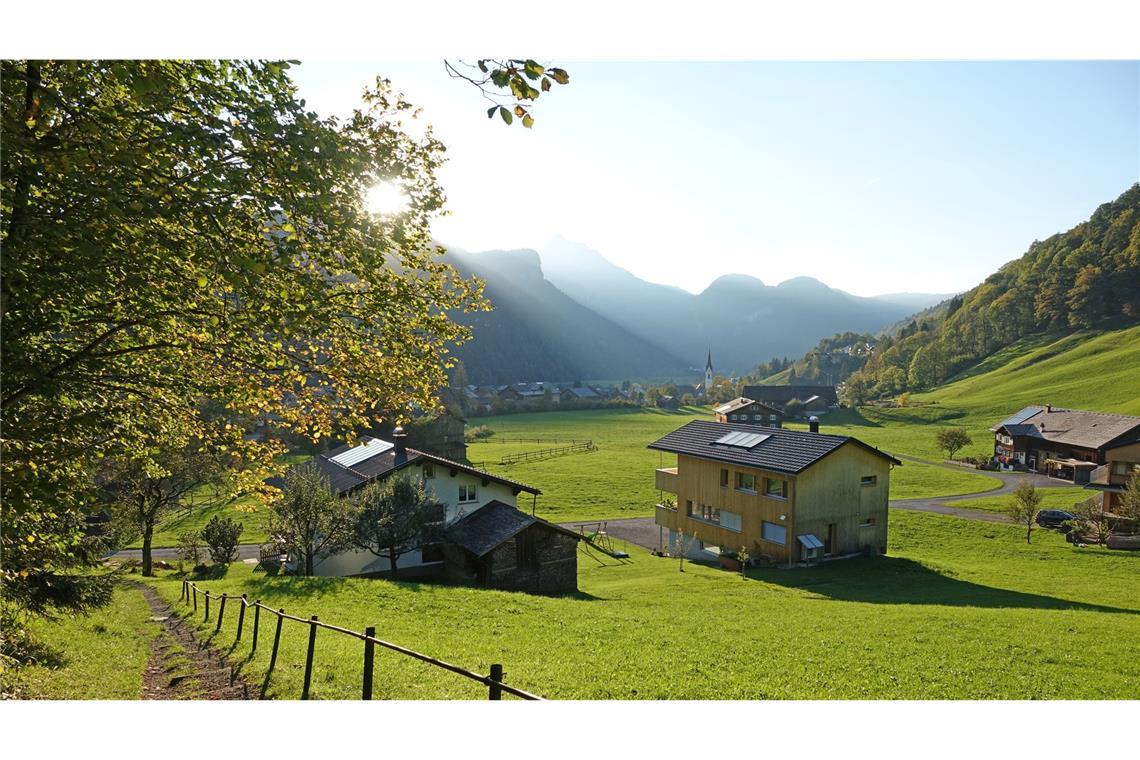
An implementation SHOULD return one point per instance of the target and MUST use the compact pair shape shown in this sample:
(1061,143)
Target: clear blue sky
(873,177)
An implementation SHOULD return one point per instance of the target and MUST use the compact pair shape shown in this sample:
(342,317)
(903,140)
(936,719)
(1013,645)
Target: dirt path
(181,666)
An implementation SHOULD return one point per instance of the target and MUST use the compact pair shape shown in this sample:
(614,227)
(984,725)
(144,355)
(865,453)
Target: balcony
(665,516)
(667,479)
(1104,479)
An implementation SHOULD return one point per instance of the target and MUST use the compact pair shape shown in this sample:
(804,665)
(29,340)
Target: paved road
(245,551)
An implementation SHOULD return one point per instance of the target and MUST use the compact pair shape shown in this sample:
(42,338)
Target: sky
(874,177)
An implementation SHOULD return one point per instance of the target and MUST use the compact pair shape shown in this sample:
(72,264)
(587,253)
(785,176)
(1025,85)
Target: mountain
(1086,278)
(739,317)
(537,332)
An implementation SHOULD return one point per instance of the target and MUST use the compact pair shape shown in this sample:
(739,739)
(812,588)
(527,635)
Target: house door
(832,537)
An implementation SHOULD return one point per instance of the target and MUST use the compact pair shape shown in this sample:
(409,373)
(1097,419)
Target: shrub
(221,536)
(189,549)
(478,433)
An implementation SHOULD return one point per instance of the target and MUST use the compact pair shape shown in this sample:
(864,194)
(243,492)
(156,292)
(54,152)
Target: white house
(460,488)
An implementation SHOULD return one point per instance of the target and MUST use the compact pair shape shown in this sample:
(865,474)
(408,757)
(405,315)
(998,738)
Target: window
(745,482)
(775,489)
(777,534)
(730,520)
(706,513)
(732,417)
(724,478)
(689,508)
(869,480)
(757,417)
(468,493)
(432,553)
(867,522)
(429,470)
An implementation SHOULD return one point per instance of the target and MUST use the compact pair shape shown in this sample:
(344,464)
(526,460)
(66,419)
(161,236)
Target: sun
(386,198)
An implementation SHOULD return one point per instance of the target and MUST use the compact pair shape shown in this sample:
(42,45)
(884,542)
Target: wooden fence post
(369,654)
(276,640)
(309,657)
(221,611)
(256,620)
(182,598)
(496,675)
(195,590)
(241,616)
(207,595)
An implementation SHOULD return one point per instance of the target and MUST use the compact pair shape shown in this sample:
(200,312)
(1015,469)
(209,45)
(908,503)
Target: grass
(98,656)
(959,609)
(1051,498)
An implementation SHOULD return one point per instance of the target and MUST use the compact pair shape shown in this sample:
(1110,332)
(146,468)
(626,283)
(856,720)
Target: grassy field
(100,656)
(617,480)
(959,609)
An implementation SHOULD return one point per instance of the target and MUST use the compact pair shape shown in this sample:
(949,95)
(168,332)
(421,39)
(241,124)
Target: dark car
(1055,518)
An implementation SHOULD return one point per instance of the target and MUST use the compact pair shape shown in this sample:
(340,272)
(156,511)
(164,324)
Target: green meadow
(958,610)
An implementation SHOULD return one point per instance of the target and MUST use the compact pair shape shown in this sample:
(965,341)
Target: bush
(478,434)
(190,549)
(221,536)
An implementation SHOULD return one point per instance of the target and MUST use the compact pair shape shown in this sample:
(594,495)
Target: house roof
(343,478)
(491,525)
(1072,427)
(584,392)
(782,394)
(782,450)
(739,403)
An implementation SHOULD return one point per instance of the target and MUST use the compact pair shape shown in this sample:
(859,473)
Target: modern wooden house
(745,411)
(1066,443)
(459,488)
(1122,463)
(783,495)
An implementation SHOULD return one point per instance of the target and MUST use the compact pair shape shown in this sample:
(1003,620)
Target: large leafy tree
(176,233)
(310,522)
(394,516)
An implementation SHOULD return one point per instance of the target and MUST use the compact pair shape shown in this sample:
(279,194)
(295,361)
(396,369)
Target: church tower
(708,373)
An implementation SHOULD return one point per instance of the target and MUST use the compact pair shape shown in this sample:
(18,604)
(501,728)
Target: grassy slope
(1051,498)
(100,656)
(959,610)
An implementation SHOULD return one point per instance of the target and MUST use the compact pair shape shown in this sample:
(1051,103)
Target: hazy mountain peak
(735,282)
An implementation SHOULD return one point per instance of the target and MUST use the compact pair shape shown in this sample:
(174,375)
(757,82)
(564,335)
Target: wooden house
(1122,463)
(1066,443)
(745,411)
(782,495)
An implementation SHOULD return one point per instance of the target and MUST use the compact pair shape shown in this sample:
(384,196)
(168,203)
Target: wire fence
(190,592)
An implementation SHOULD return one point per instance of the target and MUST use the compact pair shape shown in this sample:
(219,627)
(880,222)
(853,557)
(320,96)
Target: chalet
(583,393)
(1066,443)
(522,391)
(812,397)
(459,488)
(783,495)
(1111,478)
(497,546)
(748,412)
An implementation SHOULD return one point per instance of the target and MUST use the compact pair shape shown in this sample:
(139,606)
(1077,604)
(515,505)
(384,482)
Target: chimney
(400,438)
(813,424)
(1048,409)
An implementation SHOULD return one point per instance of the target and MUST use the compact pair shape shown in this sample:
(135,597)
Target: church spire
(708,364)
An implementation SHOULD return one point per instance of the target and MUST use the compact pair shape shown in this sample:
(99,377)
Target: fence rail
(502,439)
(530,456)
(190,591)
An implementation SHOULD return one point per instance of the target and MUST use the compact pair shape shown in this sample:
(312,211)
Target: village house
(1122,463)
(814,398)
(582,393)
(784,496)
(748,412)
(1064,443)
(463,492)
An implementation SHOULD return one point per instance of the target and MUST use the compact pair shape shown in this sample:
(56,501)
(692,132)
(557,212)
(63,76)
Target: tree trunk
(1028,530)
(393,558)
(308,563)
(147,561)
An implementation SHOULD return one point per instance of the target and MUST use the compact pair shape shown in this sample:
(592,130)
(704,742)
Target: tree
(221,537)
(1024,507)
(1130,500)
(855,391)
(143,490)
(1091,517)
(174,231)
(952,440)
(309,520)
(524,78)
(392,516)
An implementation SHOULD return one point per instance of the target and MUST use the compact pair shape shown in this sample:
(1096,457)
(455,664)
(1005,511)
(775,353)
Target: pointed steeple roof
(708,365)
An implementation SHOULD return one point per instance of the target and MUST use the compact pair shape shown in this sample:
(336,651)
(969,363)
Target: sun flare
(386,198)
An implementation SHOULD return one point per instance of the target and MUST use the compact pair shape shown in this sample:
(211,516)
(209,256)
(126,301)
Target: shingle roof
(1075,427)
(739,403)
(784,450)
(782,394)
(491,525)
(344,479)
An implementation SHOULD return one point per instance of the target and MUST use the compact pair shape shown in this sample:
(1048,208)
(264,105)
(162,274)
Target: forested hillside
(1087,277)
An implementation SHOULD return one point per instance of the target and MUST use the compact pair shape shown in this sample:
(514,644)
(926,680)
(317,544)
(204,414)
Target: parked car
(1055,518)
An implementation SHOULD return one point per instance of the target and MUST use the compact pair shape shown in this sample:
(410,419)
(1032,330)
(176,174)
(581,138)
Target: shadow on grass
(893,580)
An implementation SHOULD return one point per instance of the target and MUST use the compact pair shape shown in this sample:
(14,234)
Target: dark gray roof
(1074,427)
(739,403)
(784,450)
(491,525)
(344,479)
(782,394)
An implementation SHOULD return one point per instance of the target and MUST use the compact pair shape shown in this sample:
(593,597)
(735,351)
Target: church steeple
(708,364)
(708,373)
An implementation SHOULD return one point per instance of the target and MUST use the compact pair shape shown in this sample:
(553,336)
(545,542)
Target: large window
(706,513)
(745,482)
(724,478)
(777,534)
(730,520)
(775,488)
(468,493)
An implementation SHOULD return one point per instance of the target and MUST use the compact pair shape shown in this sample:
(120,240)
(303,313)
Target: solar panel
(358,454)
(1023,415)
(742,440)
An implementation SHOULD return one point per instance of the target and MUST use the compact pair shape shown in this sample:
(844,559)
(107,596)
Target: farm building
(1111,478)
(459,488)
(748,412)
(497,546)
(1066,443)
(813,397)
(782,495)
